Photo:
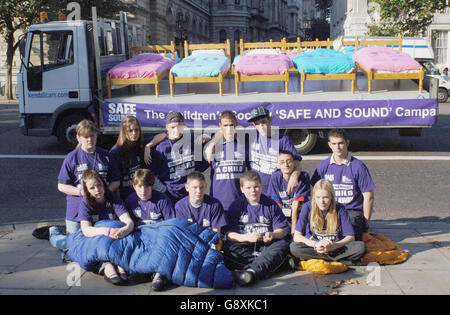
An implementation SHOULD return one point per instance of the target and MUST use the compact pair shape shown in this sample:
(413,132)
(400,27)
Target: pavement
(29,266)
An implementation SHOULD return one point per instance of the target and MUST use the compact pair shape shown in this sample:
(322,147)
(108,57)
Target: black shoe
(43,233)
(293,263)
(116,280)
(159,282)
(244,277)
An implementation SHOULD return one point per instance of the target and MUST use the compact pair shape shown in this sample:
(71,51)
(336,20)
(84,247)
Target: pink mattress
(141,66)
(385,59)
(263,64)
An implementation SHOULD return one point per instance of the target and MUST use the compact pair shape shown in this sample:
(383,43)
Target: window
(237,1)
(49,50)
(58,49)
(440,46)
(222,36)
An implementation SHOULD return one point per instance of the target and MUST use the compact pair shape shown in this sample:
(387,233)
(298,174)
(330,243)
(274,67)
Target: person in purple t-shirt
(351,181)
(100,204)
(324,230)
(264,149)
(289,203)
(127,155)
(148,206)
(230,160)
(175,157)
(198,207)
(256,244)
(86,156)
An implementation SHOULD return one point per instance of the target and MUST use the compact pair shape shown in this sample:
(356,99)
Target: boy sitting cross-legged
(289,203)
(254,217)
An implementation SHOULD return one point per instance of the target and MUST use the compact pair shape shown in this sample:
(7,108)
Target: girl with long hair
(100,204)
(86,156)
(129,154)
(324,230)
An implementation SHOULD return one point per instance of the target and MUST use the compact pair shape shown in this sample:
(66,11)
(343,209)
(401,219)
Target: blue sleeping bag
(179,250)
(323,61)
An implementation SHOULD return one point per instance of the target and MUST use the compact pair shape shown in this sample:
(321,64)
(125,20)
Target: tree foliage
(403,17)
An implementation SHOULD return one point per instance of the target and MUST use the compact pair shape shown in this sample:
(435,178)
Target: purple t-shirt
(264,217)
(173,160)
(226,170)
(109,210)
(264,156)
(210,214)
(345,227)
(349,182)
(277,191)
(157,208)
(125,173)
(72,168)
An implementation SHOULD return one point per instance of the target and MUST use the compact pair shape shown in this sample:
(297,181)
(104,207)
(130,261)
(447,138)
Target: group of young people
(260,199)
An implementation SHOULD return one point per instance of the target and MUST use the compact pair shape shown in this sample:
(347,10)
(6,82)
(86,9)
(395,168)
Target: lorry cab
(57,82)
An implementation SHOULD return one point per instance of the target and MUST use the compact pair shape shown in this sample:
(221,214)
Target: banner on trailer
(285,114)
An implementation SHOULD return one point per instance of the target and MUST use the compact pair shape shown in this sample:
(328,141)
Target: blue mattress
(327,61)
(201,65)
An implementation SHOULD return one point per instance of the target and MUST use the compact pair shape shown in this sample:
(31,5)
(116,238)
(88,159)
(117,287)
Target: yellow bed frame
(324,76)
(204,79)
(261,77)
(371,75)
(155,79)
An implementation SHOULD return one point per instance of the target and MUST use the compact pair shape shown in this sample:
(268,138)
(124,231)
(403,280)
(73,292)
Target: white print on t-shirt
(82,167)
(344,193)
(322,235)
(137,212)
(329,177)
(254,227)
(346,180)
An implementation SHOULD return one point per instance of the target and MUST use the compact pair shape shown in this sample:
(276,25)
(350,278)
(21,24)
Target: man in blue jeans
(256,239)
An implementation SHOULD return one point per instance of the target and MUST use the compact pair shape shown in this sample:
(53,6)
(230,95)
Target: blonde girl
(324,230)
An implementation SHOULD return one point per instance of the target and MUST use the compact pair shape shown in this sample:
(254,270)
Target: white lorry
(61,82)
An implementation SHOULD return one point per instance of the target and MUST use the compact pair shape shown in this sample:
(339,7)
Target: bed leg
(108,85)
(353,84)
(220,83)
(302,76)
(236,82)
(171,83)
(369,78)
(421,80)
(286,82)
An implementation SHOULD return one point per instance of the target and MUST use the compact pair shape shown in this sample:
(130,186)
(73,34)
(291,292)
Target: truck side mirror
(22,45)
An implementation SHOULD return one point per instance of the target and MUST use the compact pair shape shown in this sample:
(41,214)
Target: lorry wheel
(66,131)
(304,140)
(442,95)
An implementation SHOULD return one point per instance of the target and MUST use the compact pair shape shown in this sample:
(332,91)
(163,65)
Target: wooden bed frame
(324,76)
(371,75)
(155,79)
(288,46)
(261,77)
(203,79)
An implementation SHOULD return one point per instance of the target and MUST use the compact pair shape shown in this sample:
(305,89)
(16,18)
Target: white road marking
(305,157)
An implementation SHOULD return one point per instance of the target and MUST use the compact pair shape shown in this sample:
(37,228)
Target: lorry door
(52,77)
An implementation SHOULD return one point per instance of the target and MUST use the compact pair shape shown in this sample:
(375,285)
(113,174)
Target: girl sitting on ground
(100,204)
(324,230)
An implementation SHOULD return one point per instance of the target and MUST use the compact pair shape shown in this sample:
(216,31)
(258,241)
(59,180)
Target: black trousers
(350,252)
(358,222)
(267,259)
